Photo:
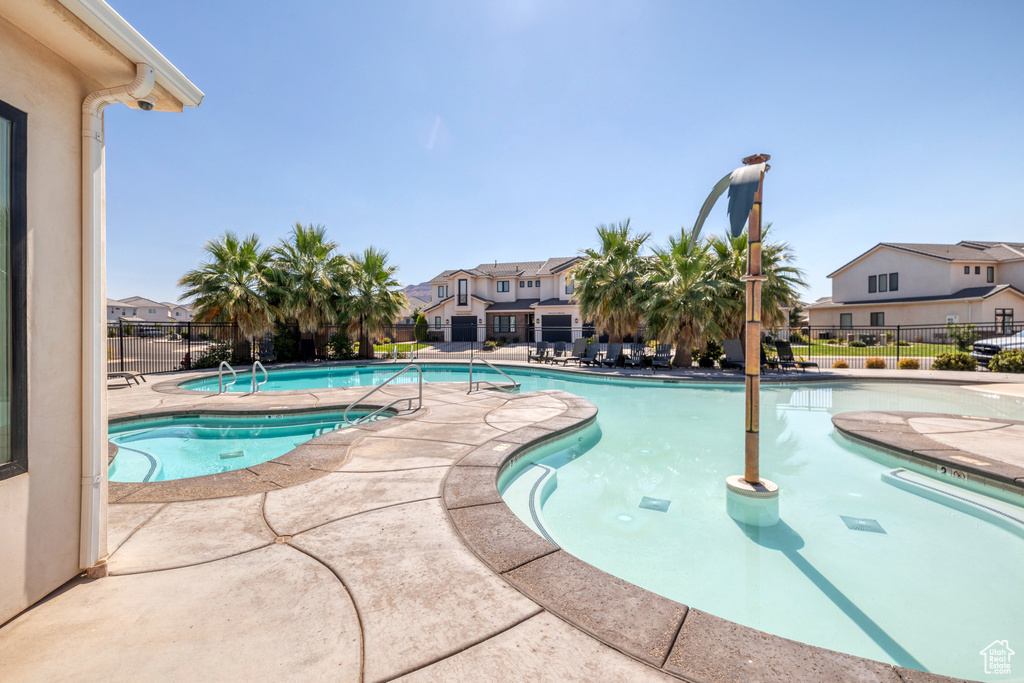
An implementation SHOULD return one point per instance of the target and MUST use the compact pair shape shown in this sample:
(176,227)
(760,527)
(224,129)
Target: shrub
(909,364)
(875,363)
(385,340)
(340,347)
(797,338)
(286,344)
(421,329)
(954,361)
(902,342)
(1007,360)
(840,365)
(859,344)
(217,353)
(712,352)
(490,345)
(963,336)
(515,340)
(111,331)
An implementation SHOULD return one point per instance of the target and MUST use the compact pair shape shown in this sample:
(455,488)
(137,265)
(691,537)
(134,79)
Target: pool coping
(311,460)
(891,432)
(666,635)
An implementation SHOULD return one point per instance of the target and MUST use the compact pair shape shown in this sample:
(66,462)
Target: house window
(894,282)
(440,291)
(504,323)
(846,321)
(872,284)
(569,285)
(967,270)
(883,283)
(13,281)
(437,322)
(990,274)
(521,284)
(1004,320)
(877,319)
(502,285)
(538,283)
(977,270)
(463,293)
(177,314)
(530,283)
(135,312)
(152,311)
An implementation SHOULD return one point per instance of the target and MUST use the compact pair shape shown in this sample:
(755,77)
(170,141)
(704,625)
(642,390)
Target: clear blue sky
(454,133)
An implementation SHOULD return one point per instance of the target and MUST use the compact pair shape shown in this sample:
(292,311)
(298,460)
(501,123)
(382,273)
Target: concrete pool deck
(394,560)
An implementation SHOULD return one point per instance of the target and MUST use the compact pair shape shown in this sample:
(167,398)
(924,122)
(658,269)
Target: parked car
(151,332)
(984,349)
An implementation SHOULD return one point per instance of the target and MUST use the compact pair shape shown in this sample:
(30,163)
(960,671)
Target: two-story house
(523,300)
(926,284)
(137,309)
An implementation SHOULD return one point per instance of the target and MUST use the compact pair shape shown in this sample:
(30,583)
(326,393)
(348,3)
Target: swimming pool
(863,562)
(186,446)
(866,560)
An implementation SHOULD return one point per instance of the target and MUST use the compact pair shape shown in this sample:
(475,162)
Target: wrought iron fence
(154,347)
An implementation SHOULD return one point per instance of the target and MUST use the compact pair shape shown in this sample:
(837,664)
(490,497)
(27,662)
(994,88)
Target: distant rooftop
(513,268)
(966,250)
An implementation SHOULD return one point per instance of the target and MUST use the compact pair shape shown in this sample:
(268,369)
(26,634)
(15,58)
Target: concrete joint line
(364,512)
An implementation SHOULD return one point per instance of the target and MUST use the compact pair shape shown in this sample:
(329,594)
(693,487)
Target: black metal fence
(152,347)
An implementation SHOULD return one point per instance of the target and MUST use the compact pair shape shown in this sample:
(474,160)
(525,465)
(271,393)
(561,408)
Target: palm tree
(310,278)
(232,284)
(608,279)
(682,298)
(779,291)
(375,299)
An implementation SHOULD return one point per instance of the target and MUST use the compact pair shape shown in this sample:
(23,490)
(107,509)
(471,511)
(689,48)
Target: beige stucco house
(142,310)
(522,300)
(61,63)
(926,284)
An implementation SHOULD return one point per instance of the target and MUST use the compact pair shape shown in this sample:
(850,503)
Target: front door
(556,328)
(464,328)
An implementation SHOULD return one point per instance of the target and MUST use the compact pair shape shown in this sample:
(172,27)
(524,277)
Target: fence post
(897,346)
(188,345)
(120,338)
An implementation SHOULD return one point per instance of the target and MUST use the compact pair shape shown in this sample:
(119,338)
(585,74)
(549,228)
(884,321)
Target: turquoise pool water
(195,445)
(934,583)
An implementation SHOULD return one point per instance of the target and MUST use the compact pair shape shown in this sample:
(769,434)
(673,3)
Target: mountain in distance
(420,291)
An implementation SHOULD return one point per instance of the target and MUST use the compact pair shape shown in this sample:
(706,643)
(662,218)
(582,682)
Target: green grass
(820,348)
(405,347)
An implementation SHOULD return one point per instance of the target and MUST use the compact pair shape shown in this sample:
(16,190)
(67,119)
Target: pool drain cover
(656,504)
(232,454)
(862,524)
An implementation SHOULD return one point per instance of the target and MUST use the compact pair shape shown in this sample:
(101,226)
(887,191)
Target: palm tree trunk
(365,348)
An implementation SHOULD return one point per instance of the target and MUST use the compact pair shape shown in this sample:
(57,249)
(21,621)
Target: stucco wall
(918,276)
(927,313)
(40,511)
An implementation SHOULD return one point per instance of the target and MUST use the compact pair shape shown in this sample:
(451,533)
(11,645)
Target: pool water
(195,445)
(908,577)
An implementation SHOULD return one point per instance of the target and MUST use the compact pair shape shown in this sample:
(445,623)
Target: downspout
(94,409)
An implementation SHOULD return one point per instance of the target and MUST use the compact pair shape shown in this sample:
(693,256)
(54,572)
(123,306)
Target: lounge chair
(266,351)
(579,347)
(733,355)
(768,363)
(558,354)
(127,376)
(542,353)
(637,355)
(786,359)
(611,357)
(662,357)
(590,355)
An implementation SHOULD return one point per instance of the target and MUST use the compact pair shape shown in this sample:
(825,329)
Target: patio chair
(768,363)
(637,355)
(786,358)
(266,351)
(662,357)
(590,354)
(579,347)
(542,353)
(126,376)
(558,353)
(611,357)
(733,355)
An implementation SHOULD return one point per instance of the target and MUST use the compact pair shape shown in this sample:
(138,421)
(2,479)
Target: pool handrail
(418,398)
(266,377)
(221,387)
(500,387)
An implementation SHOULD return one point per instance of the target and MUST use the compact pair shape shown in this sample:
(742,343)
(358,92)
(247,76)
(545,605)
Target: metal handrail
(499,387)
(221,387)
(377,388)
(266,377)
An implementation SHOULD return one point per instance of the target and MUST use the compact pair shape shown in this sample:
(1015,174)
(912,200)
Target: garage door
(556,328)
(464,328)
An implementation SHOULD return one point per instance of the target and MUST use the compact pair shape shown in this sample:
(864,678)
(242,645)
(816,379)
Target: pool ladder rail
(256,385)
(221,387)
(418,398)
(510,388)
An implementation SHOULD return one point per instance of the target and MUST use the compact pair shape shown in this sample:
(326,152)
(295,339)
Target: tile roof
(969,293)
(974,251)
(136,301)
(517,305)
(513,268)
